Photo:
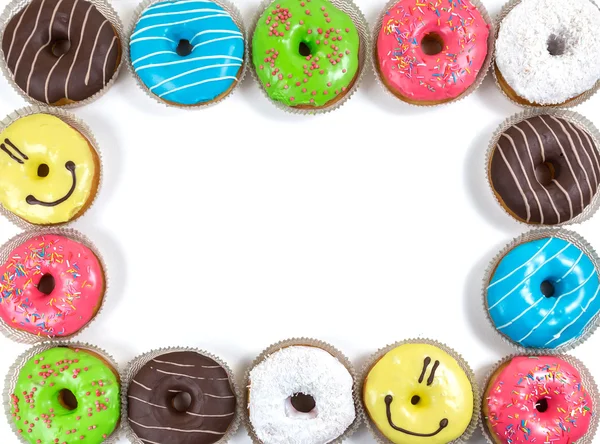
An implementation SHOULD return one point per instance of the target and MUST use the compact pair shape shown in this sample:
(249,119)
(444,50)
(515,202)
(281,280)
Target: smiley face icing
(418,393)
(49,172)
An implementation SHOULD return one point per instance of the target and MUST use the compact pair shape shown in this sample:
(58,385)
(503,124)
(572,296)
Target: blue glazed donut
(544,293)
(187,52)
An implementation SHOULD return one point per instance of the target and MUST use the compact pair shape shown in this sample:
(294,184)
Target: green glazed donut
(305,52)
(66,395)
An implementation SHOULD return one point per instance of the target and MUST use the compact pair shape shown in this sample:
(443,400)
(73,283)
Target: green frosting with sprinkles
(40,411)
(305,52)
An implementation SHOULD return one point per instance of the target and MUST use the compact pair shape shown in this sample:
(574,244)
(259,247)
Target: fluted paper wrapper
(22,336)
(13,376)
(491,43)
(304,342)
(578,100)
(586,377)
(105,7)
(354,12)
(136,364)
(75,123)
(380,437)
(569,236)
(235,14)
(571,116)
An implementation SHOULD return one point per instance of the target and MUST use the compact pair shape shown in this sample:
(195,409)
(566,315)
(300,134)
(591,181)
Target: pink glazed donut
(537,399)
(50,286)
(430,52)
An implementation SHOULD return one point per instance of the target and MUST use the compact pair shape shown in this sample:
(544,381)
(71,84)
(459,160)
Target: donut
(66,395)
(545,169)
(430,53)
(61,51)
(300,394)
(418,393)
(182,397)
(50,286)
(548,51)
(543,293)
(305,54)
(187,52)
(49,171)
(539,399)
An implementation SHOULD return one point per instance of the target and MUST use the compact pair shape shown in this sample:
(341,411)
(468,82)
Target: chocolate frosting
(155,392)
(545,170)
(29,44)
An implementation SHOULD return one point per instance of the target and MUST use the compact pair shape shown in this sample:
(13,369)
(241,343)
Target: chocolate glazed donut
(545,170)
(181,397)
(61,51)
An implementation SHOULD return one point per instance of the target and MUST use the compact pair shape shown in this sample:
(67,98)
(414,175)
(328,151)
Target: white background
(237,226)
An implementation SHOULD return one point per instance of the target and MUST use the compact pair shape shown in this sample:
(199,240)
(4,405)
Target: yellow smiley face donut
(418,393)
(49,172)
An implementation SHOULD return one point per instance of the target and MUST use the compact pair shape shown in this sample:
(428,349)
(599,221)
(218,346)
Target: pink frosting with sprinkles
(77,294)
(538,399)
(418,76)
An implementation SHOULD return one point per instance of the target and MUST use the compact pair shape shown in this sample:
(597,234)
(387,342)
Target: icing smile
(388,403)
(31,200)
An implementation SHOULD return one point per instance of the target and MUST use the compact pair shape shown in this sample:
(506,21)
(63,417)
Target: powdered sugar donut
(300,395)
(548,51)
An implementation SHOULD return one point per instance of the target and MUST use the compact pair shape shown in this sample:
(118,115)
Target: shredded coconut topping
(548,51)
(310,371)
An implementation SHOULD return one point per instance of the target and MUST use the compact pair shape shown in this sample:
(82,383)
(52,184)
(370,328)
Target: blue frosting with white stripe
(203,75)
(520,310)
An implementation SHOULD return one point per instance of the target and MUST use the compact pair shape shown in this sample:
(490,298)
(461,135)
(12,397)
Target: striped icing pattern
(93,54)
(519,309)
(212,67)
(152,397)
(545,170)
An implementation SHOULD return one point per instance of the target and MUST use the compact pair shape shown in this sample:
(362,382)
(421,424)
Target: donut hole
(432,44)
(545,173)
(542,405)
(43,170)
(415,400)
(181,402)
(47,284)
(67,399)
(547,289)
(304,49)
(184,48)
(557,45)
(61,47)
(303,403)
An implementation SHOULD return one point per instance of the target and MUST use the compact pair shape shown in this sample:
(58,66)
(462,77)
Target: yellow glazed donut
(49,172)
(418,393)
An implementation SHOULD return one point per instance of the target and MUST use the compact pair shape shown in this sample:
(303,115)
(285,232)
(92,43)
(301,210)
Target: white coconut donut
(300,370)
(548,51)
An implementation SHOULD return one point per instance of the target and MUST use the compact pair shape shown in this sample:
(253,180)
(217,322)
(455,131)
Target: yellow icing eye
(418,393)
(49,173)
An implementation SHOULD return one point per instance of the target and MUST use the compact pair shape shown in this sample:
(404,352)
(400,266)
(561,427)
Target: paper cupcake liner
(569,236)
(13,375)
(306,342)
(570,116)
(357,16)
(22,336)
(375,357)
(78,125)
(105,7)
(491,42)
(136,364)
(586,377)
(236,15)
(578,100)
